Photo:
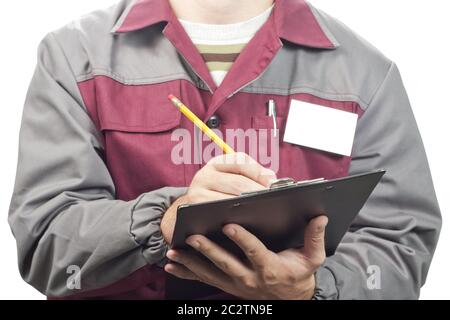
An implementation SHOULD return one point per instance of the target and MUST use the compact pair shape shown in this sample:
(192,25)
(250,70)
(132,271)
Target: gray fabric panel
(352,72)
(398,228)
(63,210)
(140,57)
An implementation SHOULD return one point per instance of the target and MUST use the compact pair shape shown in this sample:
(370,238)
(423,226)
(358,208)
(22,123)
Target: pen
(200,124)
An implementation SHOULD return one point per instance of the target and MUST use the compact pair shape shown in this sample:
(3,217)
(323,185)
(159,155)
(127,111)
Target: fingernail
(272,181)
(325,222)
(172,255)
(193,243)
(231,232)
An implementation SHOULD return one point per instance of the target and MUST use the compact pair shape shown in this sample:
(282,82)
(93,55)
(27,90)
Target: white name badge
(321,128)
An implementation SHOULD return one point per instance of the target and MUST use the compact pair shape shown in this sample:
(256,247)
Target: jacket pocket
(137,123)
(266,122)
(144,109)
(295,161)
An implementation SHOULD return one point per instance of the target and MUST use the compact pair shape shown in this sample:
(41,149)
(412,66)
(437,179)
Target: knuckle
(206,278)
(316,262)
(291,277)
(206,248)
(224,265)
(252,252)
(269,276)
(249,283)
(317,239)
(219,160)
(241,158)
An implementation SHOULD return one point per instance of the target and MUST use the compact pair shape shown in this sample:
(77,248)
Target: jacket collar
(295,21)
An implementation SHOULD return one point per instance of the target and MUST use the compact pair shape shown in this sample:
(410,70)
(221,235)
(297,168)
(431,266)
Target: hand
(287,275)
(221,178)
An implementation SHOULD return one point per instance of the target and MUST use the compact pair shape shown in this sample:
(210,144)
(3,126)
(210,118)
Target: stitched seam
(325,29)
(302,88)
(283,91)
(139,126)
(123,17)
(107,72)
(71,69)
(306,87)
(391,67)
(125,128)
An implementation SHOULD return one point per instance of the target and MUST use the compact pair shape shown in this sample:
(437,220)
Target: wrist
(169,219)
(309,288)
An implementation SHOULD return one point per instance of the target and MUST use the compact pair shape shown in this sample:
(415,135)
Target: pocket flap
(137,108)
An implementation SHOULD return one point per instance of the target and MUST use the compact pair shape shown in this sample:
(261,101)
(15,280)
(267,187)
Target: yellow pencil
(200,124)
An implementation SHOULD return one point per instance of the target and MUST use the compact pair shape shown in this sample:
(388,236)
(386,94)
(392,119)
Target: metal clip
(272,112)
(281,183)
(286,182)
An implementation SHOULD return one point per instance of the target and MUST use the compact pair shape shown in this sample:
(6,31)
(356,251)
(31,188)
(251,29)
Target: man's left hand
(287,275)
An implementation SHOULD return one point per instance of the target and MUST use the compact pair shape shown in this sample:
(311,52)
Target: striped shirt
(220,45)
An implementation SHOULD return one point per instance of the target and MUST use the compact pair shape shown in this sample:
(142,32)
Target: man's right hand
(223,177)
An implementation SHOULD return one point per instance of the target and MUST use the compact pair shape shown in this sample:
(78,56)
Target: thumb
(314,241)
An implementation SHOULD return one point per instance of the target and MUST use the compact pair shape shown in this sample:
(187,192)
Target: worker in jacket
(105,159)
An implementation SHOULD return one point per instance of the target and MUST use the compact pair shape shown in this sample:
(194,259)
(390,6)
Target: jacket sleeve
(388,250)
(63,212)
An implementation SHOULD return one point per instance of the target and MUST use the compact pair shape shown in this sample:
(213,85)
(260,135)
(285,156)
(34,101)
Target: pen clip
(272,112)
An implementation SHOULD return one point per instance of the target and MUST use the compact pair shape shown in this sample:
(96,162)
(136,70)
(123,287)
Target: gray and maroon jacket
(95,173)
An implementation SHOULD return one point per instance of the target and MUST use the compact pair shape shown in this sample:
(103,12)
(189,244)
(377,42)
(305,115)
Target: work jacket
(96,168)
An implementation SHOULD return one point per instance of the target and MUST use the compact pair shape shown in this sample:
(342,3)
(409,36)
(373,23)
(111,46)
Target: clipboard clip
(281,183)
(287,182)
(284,183)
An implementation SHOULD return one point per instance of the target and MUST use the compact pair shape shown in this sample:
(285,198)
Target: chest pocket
(298,162)
(137,123)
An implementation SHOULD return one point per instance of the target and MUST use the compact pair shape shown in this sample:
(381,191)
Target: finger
(197,195)
(254,249)
(314,241)
(223,260)
(206,272)
(242,164)
(233,184)
(180,271)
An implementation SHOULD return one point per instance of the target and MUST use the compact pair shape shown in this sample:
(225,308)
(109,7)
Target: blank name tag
(322,128)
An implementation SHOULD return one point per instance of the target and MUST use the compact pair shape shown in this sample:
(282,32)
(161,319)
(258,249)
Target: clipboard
(277,216)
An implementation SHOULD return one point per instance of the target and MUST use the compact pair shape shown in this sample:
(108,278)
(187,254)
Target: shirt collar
(295,21)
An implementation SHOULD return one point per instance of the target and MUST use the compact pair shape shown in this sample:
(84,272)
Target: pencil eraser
(171,97)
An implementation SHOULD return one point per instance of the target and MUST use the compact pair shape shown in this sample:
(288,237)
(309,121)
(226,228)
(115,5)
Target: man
(97,187)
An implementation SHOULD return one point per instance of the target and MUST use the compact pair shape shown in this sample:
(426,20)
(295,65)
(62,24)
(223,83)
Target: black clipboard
(277,216)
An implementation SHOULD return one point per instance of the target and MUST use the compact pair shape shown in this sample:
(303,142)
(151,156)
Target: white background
(412,33)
